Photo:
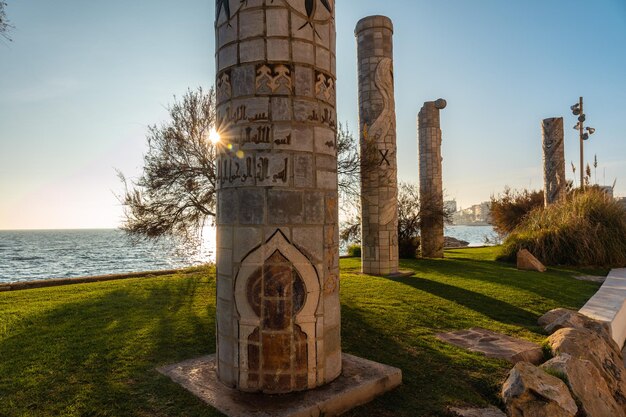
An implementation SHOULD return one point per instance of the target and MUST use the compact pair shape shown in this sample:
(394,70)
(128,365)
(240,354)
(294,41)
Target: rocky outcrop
(527,262)
(587,386)
(450,242)
(582,343)
(562,318)
(531,392)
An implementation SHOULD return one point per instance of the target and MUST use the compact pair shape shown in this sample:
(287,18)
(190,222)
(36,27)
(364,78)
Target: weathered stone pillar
(377,120)
(554,183)
(431,179)
(278,318)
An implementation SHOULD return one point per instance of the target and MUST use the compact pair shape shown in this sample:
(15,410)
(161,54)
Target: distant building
(478,214)
(622,201)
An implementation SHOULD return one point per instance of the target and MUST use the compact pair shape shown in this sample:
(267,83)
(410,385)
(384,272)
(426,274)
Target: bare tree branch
(5,26)
(175,194)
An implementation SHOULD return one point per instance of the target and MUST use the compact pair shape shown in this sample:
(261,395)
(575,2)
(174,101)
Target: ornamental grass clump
(587,228)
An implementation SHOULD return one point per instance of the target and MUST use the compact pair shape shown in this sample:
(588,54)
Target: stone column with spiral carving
(278,314)
(554,183)
(377,122)
(431,179)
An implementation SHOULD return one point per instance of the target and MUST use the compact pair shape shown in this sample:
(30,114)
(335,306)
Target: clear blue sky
(82,80)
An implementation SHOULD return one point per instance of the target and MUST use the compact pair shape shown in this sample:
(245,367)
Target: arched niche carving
(277,293)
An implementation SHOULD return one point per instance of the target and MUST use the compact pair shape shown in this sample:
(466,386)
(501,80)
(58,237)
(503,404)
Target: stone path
(495,345)
(477,412)
(591,278)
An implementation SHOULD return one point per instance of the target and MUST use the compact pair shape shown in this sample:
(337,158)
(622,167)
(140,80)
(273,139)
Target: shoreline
(56,282)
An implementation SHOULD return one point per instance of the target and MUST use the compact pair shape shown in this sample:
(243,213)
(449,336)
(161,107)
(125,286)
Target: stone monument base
(360,382)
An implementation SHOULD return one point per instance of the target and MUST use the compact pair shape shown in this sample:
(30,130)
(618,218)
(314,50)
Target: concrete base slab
(360,382)
(495,345)
(403,273)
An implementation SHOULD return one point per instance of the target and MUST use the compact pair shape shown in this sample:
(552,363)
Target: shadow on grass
(96,356)
(491,307)
(435,375)
(557,286)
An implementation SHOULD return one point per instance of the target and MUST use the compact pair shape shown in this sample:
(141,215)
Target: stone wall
(554,182)
(278,315)
(377,120)
(431,179)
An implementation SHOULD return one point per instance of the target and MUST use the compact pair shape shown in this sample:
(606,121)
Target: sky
(82,80)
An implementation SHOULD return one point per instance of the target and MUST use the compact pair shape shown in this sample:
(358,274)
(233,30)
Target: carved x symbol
(384,155)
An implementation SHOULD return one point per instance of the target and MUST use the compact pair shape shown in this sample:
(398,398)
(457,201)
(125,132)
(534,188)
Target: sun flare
(214,136)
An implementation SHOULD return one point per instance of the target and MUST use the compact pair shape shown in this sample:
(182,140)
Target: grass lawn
(91,349)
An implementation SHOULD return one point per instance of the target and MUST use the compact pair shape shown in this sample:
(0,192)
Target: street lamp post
(577,110)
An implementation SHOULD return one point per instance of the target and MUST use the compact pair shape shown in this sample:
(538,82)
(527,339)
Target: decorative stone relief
(377,118)
(277,293)
(554,182)
(431,179)
(278,318)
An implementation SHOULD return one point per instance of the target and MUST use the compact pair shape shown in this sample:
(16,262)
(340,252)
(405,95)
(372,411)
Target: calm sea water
(475,235)
(43,254)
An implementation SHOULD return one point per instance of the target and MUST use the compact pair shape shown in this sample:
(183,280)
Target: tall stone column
(554,182)
(431,179)
(278,314)
(377,120)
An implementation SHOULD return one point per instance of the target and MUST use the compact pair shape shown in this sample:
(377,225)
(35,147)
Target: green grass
(91,349)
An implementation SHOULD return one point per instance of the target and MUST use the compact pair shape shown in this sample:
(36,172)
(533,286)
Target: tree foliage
(509,208)
(175,194)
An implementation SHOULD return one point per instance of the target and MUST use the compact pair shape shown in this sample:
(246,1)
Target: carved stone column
(377,120)
(431,180)
(278,314)
(554,183)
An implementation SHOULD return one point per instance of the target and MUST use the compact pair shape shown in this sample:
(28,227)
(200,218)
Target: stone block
(252,206)
(252,51)
(246,239)
(278,50)
(314,208)
(303,171)
(227,207)
(527,262)
(243,80)
(277,22)
(309,240)
(285,207)
(303,53)
(281,111)
(255,23)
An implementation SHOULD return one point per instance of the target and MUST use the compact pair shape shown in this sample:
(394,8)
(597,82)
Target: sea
(27,255)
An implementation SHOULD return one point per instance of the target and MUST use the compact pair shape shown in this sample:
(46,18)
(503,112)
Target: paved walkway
(608,305)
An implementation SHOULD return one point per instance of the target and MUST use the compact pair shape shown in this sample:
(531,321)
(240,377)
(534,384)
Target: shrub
(511,207)
(408,247)
(587,228)
(354,251)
